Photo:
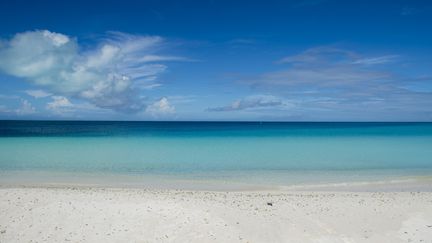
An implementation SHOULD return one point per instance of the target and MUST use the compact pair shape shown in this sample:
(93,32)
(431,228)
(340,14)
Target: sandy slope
(139,215)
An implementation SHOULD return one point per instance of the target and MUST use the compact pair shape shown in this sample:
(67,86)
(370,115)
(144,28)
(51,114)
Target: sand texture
(138,215)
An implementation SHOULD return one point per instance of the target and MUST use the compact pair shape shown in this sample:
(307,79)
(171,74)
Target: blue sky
(310,60)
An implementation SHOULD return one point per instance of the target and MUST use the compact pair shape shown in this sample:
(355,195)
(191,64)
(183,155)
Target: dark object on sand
(270,204)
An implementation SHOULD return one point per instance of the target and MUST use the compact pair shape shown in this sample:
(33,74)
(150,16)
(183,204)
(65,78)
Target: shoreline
(402,185)
(349,182)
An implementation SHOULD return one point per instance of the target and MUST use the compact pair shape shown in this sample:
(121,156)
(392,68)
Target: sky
(303,60)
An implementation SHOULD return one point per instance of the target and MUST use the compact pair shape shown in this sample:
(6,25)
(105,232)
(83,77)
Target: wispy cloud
(155,58)
(320,55)
(376,60)
(323,68)
(342,82)
(110,75)
(253,102)
(327,55)
(38,93)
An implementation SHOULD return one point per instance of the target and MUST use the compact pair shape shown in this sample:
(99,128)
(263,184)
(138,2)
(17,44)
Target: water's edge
(381,180)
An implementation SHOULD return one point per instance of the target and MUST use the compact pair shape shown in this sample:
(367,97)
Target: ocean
(242,152)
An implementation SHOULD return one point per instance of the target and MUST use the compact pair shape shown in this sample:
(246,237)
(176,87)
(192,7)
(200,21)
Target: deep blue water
(219,129)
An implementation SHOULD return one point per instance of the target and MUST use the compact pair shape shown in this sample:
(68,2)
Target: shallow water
(281,152)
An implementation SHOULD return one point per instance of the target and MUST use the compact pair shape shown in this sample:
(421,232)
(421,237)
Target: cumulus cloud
(111,75)
(160,107)
(58,101)
(253,102)
(26,108)
(38,93)
(60,105)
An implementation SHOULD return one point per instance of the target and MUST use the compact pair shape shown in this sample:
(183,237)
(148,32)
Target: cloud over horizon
(253,102)
(160,107)
(344,82)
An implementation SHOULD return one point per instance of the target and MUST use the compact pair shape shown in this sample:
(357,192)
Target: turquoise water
(206,149)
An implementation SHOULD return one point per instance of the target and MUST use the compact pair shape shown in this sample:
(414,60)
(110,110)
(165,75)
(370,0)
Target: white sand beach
(95,214)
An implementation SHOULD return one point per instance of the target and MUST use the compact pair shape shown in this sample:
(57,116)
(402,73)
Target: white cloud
(161,107)
(376,60)
(150,86)
(36,54)
(26,108)
(109,76)
(60,105)
(38,93)
(155,58)
(56,38)
(59,101)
